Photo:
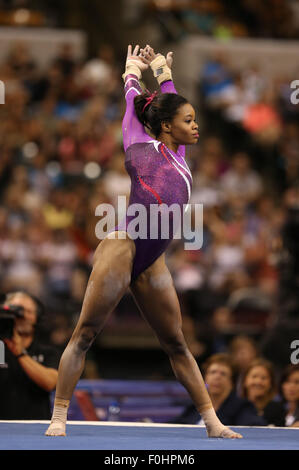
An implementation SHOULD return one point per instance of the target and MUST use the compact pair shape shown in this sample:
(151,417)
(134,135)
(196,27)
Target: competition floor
(83,435)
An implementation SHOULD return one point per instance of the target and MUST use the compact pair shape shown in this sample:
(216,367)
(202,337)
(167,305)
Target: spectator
(262,120)
(219,375)
(207,189)
(20,60)
(259,386)
(57,215)
(30,372)
(99,73)
(226,20)
(243,350)
(226,257)
(61,118)
(58,256)
(65,59)
(241,181)
(289,391)
(216,78)
(18,253)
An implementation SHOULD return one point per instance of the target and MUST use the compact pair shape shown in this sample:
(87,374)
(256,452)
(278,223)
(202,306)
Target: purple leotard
(158,176)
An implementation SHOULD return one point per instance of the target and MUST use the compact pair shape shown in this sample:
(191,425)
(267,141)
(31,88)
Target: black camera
(8,314)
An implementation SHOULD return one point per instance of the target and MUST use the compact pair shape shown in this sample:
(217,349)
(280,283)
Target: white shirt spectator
(241,180)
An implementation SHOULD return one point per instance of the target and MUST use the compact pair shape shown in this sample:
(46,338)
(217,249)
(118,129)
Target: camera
(8,314)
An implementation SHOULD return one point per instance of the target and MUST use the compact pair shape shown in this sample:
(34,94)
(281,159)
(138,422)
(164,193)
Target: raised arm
(161,67)
(133,130)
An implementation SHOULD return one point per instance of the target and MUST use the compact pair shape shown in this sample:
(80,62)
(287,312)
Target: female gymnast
(159,174)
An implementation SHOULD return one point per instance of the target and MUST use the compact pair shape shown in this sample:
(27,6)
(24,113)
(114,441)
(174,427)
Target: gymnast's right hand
(160,65)
(149,55)
(135,64)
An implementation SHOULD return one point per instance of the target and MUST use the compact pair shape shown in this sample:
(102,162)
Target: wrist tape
(132,67)
(161,70)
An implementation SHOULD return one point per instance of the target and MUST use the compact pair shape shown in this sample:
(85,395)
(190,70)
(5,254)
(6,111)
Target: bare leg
(109,280)
(156,297)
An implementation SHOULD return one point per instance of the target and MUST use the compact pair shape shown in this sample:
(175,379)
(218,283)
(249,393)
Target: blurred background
(61,155)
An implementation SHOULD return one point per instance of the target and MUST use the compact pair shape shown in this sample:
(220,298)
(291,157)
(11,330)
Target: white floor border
(139,424)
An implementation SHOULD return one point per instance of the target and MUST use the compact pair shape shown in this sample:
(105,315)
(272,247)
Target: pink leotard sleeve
(133,130)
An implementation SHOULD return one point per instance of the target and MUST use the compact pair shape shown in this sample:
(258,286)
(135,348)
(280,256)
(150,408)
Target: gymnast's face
(183,128)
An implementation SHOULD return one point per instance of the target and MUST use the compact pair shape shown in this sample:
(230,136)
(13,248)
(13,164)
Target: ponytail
(153,109)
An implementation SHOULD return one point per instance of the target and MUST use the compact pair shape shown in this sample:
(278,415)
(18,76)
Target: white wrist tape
(161,70)
(132,67)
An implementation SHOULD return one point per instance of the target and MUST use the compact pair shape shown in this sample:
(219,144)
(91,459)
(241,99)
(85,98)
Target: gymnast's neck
(167,140)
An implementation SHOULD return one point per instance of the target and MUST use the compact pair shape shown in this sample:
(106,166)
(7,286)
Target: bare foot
(225,433)
(56,429)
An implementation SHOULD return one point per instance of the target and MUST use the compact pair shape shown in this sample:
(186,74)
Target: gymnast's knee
(83,339)
(175,345)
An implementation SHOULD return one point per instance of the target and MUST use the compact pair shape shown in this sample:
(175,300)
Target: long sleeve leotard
(158,176)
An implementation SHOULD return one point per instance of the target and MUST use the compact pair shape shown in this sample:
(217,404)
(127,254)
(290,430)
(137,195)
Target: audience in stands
(220,377)
(289,391)
(259,386)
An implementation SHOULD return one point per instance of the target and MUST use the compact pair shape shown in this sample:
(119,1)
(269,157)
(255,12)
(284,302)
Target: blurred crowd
(62,155)
(224,20)
(175,19)
(246,175)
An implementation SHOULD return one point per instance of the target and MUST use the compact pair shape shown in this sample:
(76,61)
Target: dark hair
(40,308)
(223,359)
(163,108)
(285,375)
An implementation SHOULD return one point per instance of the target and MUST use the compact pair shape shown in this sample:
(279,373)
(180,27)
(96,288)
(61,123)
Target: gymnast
(159,174)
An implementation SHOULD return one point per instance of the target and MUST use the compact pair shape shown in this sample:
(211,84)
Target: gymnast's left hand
(133,58)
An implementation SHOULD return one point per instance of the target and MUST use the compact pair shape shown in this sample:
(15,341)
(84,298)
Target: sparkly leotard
(158,176)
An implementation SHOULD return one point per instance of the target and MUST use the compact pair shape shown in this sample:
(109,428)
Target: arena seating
(156,401)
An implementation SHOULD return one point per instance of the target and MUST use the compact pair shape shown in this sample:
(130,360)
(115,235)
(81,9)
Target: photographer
(30,370)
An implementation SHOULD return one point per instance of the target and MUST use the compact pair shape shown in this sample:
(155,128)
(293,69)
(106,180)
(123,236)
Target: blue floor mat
(30,436)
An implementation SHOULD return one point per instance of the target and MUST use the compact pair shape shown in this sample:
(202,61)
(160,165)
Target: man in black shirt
(29,373)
